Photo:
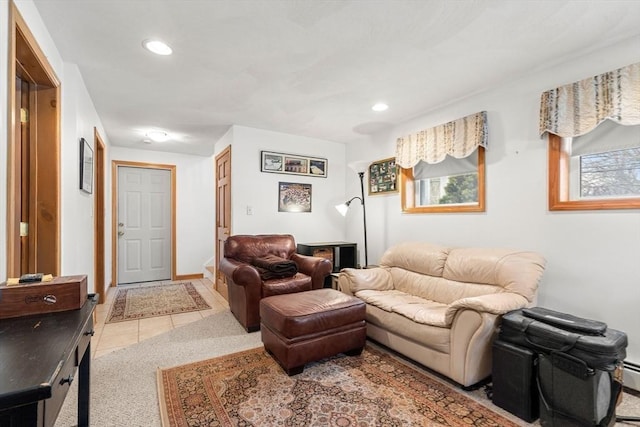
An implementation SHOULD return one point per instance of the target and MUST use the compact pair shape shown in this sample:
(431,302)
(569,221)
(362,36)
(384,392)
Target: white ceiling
(310,67)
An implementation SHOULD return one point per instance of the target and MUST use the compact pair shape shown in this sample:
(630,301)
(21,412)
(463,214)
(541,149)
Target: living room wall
(259,190)
(592,256)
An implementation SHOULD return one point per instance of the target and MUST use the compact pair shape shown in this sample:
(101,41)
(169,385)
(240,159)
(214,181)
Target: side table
(38,359)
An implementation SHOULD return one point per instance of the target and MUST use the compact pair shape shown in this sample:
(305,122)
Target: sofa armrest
(240,273)
(492,303)
(352,280)
(315,267)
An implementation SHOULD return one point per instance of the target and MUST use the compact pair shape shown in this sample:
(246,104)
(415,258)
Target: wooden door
(33,153)
(223,214)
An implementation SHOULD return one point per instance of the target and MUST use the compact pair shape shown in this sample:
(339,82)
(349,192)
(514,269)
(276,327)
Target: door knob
(120,224)
(120,233)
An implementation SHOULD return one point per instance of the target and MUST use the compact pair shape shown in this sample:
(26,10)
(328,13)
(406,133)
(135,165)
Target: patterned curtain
(458,138)
(577,108)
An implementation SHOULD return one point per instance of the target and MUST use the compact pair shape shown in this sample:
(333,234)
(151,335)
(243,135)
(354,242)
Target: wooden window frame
(407,193)
(559,185)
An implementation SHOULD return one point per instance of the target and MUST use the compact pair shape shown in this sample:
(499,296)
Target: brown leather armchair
(246,287)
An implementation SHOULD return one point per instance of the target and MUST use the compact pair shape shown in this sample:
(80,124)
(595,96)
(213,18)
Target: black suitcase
(514,380)
(547,331)
(578,360)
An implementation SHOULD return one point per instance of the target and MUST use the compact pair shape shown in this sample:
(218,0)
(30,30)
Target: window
(453,185)
(597,170)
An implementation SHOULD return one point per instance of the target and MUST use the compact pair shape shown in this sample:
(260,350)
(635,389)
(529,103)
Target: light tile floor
(113,336)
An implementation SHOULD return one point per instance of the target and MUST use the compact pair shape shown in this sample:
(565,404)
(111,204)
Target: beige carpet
(152,301)
(375,389)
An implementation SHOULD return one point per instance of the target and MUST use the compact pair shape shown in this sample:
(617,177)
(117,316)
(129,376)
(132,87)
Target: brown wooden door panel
(223,214)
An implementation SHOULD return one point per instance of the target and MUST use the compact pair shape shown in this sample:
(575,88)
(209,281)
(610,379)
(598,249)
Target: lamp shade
(342,208)
(359,165)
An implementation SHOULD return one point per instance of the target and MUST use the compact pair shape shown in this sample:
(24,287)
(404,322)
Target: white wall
(259,190)
(79,118)
(593,258)
(195,197)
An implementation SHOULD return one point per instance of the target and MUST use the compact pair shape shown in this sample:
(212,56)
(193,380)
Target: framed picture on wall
(294,197)
(292,164)
(383,177)
(86,166)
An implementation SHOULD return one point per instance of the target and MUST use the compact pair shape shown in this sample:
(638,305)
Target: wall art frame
(294,197)
(383,177)
(293,164)
(86,166)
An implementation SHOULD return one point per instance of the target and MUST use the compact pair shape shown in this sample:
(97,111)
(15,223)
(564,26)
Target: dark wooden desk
(38,359)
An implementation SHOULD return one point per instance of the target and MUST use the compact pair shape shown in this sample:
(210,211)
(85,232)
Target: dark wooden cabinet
(341,254)
(39,356)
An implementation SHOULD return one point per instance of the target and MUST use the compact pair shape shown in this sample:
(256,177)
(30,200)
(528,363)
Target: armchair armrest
(352,280)
(240,273)
(316,267)
(492,303)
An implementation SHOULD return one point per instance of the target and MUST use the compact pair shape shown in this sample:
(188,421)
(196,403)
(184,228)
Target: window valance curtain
(458,138)
(577,108)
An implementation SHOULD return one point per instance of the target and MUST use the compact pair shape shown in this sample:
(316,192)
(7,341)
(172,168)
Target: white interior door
(144,224)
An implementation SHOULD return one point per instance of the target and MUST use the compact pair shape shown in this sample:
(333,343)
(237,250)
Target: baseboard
(631,375)
(189,276)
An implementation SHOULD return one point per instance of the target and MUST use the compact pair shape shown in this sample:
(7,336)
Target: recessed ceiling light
(157,47)
(380,106)
(157,136)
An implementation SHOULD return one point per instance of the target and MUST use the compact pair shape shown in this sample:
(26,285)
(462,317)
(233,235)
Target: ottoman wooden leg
(354,352)
(294,371)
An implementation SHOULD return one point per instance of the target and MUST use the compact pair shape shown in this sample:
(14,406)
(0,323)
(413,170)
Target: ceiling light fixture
(157,136)
(380,106)
(157,47)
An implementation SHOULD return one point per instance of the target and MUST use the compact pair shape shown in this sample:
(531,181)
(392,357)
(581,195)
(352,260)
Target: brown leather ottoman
(308,326)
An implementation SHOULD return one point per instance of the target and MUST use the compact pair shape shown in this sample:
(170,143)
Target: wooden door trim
(98,216)
(42,73)
(114,212)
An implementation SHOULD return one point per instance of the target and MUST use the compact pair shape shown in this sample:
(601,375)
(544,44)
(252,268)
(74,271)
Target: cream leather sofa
(441,306)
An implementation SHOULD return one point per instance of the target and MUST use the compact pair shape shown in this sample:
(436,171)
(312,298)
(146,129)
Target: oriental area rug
(374,389)
(152,301)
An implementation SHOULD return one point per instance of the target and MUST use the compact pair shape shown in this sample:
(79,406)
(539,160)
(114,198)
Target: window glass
(598,170)
(453,185)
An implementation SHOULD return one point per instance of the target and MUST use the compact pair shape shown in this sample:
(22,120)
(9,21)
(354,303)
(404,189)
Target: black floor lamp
(344,207)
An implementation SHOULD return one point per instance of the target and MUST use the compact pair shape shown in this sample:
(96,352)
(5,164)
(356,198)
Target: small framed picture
(86,166)
(294,197)
(292,164)
(272,162)
(383,177)
(296,165)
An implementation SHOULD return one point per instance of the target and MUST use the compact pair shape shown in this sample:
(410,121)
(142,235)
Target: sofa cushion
(437,288)
(286,285)
(513,271)
(419,257)
(417,309)
(432,337)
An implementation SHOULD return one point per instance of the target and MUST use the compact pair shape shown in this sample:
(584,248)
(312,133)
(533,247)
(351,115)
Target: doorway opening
(33,148)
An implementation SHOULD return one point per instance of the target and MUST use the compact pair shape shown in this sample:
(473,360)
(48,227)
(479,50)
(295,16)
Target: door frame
(40,71)
(99,216)
(114,212)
